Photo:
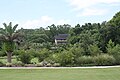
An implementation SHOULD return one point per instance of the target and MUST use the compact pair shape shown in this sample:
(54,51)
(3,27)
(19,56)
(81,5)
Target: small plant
(44,53)
(94,50)
(104,59)
(9,64)
(85,60)
(1,64)
(114,50)
(24,57)
(2,53)
(34,61)
(18,64)
(65,58)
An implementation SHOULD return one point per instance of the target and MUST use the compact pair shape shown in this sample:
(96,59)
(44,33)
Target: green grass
(60,74)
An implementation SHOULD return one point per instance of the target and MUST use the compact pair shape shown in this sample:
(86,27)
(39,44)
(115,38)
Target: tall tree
(9,36)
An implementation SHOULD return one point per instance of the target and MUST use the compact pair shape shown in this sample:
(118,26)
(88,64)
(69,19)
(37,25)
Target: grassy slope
(60,74)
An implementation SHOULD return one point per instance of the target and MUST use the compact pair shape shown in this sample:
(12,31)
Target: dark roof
(61,36)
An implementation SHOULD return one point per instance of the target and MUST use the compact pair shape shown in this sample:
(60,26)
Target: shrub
(85,60)
(17,64)
(94,50)
(65,58)
(16,52)
(44,53)
(104,59)
(34,61)
(1,64)
(9,64)
(33,52)
(53,58)
(2,53)
(77,51)
(114,50)
(24,57)
(39,65)
(117,61)
(56,65)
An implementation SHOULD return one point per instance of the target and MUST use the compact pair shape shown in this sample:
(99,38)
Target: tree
(115,21)
(109,31)
(9,36)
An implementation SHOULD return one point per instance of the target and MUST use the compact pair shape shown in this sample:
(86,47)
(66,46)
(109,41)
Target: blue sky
(42,13)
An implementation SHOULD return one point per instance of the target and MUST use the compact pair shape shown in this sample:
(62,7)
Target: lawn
(60,74)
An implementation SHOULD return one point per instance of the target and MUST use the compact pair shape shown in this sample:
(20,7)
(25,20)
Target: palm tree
(9,38)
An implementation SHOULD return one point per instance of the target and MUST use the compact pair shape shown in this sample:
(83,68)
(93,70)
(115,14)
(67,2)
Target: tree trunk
(9,55)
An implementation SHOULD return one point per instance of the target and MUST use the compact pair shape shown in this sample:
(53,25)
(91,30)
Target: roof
(61,36)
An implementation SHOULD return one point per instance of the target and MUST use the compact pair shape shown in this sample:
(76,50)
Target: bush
(117,61)
(34,61)
(65,58)
(104,59)
(1,64)
(56,65)
(44,53)
(114,50)
(94,50)
(33,52)
(9,64)
(77,51)
(17,64)
(24,57)
(53,58)
(85,60)
(2,53)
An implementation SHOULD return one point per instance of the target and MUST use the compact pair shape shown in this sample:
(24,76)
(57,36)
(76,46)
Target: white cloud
(81,4)
(92,12)
(84,6)
(63,21)
(44,21)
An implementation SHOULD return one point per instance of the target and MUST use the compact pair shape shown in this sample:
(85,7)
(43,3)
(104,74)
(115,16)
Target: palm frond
(2,38)
(10,31)
(14,28)
(5,25)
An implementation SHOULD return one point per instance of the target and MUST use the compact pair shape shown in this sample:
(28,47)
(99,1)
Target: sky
(42,13)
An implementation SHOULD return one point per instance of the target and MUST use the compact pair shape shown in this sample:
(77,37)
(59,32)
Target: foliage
(24,56)
(17,64)
(9,37)
(34,61)
(85,60)
(114,50)
(94,50)
(43,53)
(1,64)
(104,59)
(65,58)
(2,53)
(115,21)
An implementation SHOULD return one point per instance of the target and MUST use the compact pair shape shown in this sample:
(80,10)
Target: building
(61,39)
